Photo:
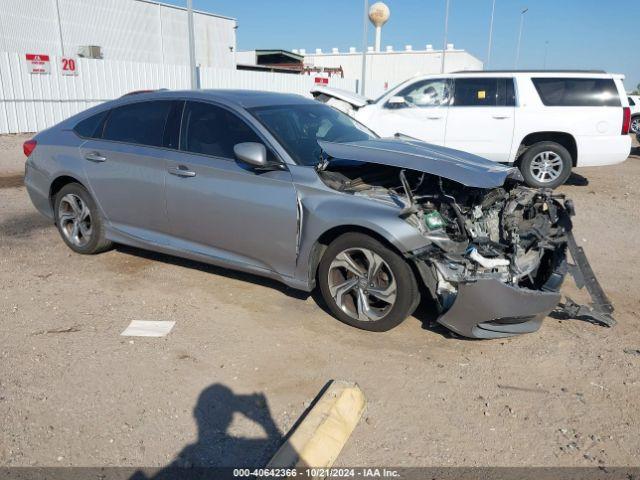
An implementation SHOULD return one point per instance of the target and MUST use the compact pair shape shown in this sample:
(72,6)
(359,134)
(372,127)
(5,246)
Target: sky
(581,34)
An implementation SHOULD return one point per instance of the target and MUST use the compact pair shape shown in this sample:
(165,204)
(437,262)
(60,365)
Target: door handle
(181,171)
(501,117)
(95,157)
(434,117)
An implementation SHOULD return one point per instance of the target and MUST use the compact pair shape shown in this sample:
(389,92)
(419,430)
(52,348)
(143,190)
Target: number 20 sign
(68,66)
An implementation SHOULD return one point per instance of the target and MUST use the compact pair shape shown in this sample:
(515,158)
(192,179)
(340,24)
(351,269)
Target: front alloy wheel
(367,284)
(362,284)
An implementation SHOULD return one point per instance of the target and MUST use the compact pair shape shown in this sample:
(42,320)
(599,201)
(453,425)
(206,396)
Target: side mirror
(255,154)
(397,101)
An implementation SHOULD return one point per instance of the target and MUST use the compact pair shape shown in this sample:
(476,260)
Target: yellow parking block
(320,436)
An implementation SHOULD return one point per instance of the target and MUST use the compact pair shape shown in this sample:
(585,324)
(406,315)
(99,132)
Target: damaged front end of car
(496,255)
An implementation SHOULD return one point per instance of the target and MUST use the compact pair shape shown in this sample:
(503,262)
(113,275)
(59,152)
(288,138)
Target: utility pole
(446,27)
(192,47)
(520,35)
(493,10)
(60,27)
(365,35)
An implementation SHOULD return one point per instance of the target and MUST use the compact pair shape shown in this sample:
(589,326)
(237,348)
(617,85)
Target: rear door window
(91,127)
(140,123)
(577,92)
(211,130)
(475,92)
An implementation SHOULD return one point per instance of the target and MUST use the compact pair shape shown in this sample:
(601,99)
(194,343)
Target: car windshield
(299,127)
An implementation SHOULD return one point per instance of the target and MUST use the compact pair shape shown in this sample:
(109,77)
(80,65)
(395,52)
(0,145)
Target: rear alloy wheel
(79,221)
(546,165)
(634,126)
(365,284)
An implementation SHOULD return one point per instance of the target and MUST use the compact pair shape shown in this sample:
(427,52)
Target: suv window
(141,123)
(483,92)
(577,92)
(90,127)
(212,130)
(427,93)
(631,102)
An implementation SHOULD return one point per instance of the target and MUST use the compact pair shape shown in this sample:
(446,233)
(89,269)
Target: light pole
(493,10)
(59,27)
(192,47)
(446,27)
(365,25)
(520,35)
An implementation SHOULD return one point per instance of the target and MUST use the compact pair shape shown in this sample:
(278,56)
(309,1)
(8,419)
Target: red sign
(321,81)
(37,63)
(68,66)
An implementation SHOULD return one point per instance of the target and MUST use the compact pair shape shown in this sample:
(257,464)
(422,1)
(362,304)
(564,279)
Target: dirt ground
(247,355)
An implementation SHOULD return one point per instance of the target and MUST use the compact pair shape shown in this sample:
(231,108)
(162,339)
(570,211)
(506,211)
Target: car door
(422,115)
(222,208)
(481,117)
(126,168)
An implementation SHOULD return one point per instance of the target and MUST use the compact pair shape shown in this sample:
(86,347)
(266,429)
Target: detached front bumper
(488,308)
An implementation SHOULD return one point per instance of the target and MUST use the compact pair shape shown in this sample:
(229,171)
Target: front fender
(322,212)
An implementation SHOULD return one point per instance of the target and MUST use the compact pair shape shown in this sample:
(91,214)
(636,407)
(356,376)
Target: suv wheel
(79,221)
(546,165)
(365,284)
(634,127)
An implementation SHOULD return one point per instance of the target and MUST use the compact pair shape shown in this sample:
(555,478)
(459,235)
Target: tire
(634,126)
(393,270)
(550,155)
(78,220)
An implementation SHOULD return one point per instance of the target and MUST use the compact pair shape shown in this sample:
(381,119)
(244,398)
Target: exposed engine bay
(512,240)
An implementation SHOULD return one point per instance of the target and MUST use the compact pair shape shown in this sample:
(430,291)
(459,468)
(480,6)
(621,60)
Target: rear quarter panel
(56,155)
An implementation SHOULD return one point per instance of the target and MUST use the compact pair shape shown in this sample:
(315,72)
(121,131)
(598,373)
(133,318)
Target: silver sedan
(291,189)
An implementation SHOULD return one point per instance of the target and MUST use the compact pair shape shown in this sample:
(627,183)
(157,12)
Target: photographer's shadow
(215,447)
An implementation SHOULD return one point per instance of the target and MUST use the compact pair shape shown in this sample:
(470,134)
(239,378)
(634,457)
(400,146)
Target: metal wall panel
(133,30)
(29,103)
(391,68)
(273,82)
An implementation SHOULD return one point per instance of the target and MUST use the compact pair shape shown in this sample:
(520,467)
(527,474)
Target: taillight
(29,146)
(626,120)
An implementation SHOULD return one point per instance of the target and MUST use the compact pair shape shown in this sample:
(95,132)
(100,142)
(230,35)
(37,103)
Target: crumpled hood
(462,167)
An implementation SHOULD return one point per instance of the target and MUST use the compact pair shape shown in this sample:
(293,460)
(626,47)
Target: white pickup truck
(545,122)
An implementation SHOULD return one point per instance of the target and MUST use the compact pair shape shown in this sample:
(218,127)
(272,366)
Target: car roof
(239,98)
(524,74)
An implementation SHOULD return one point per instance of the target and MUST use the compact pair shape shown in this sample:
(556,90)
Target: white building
(390,67)
(134,30)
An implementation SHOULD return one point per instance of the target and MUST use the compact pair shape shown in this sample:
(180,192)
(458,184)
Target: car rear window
(141,123)
(577,92)
(90,127)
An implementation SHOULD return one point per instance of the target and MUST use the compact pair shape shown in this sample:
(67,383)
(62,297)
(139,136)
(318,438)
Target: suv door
(423,115)
(481,117)
(223,208)
(125,167)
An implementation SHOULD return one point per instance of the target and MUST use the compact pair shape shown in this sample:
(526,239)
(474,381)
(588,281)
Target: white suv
(545,122)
